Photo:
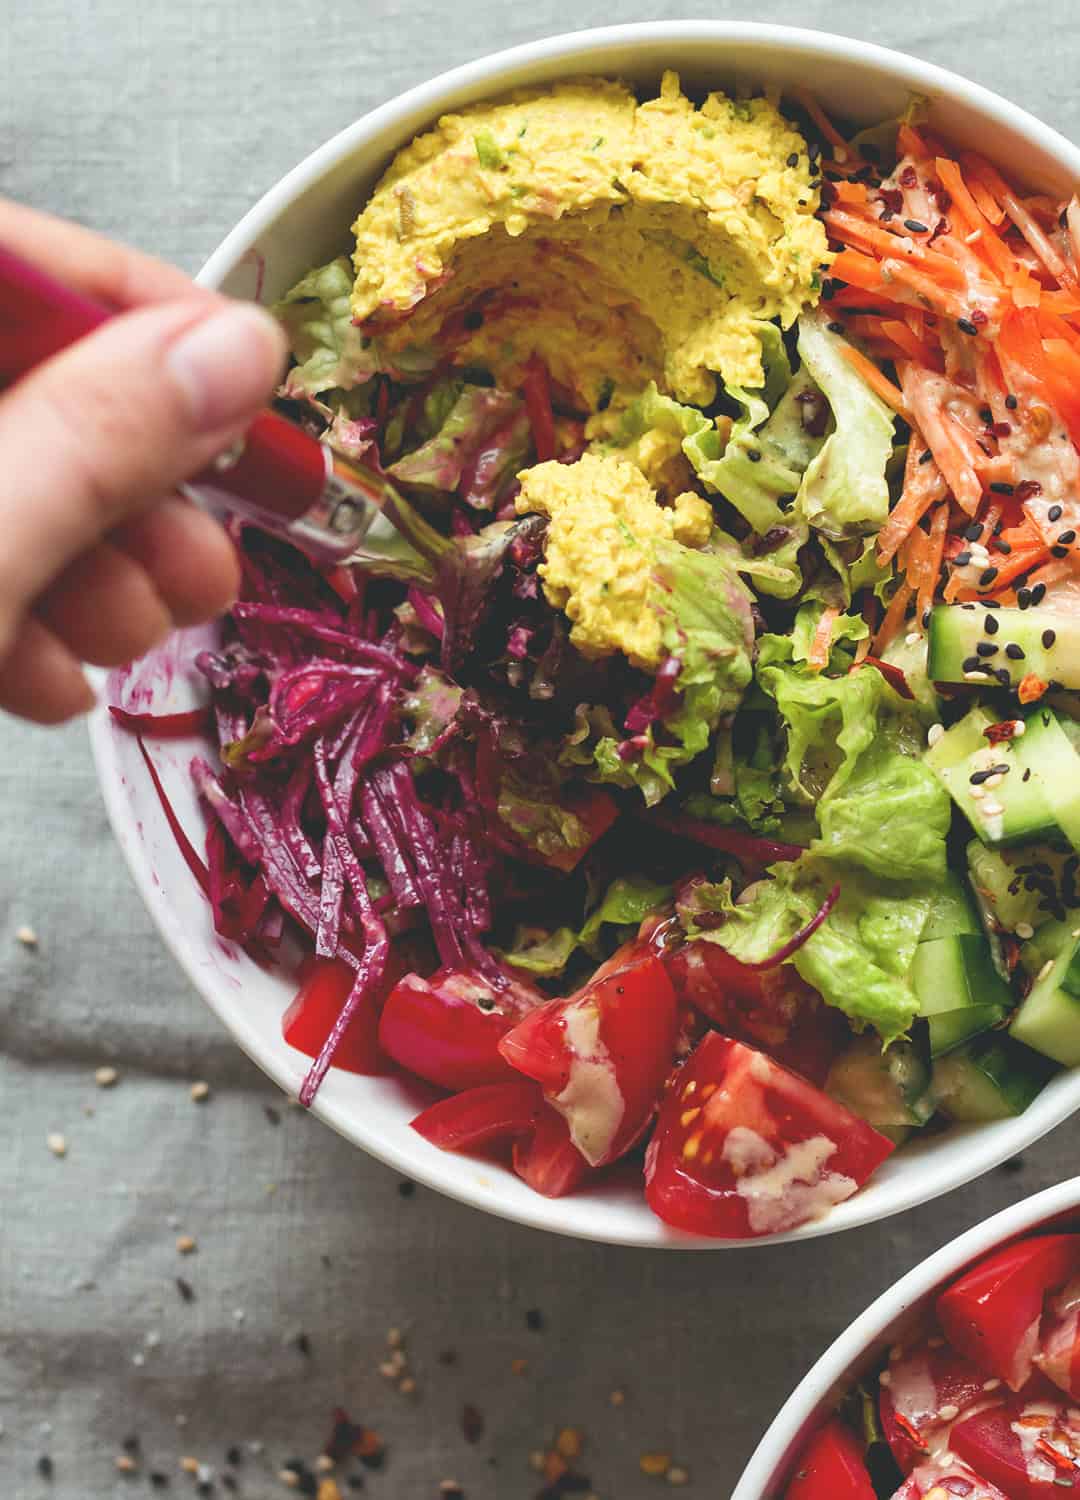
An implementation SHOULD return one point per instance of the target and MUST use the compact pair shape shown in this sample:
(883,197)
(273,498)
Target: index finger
(114,274)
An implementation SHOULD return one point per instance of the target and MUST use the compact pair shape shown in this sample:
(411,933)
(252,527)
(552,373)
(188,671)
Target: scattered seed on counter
(448,1357)
(56,1143)
(45,1466)
(451,1490)
(303,1345)
(394,1338)
(617,1397)
(472,1423)
(186,1245)
(189,1465)
(655,1465)
(678,1475)
(518,1366)
(406,1189)
(407,1387)
(272,1114)
(200,1091)
(125,1463)
(324,1464)
(106,1077)
(186,1290)
(27,937)
(158,1480)
(534,1320)
(570,1443)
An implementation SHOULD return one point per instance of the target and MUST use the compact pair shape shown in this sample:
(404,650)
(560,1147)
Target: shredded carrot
(987,207)
(924,486)
(910,143)
(905,340)
(932,563)
(818,656)
(991,248)
(923,396)
(936,295)
(824,124)
(895,616)
(878,382)
(851,192)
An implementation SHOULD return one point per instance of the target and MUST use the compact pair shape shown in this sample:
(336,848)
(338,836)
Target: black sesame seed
(786,503)
(991,604)
(1038,593)
(1023,598)
(158,1480)
(925,456)
(986,577)
(999,487)
(962,559)
(1011,402)
(1014,652)
(45,1466)
(131,1443)
(534,1320)
(406,1189)
(978,777)
(303,1345)
(229,1481)
(987,648)
(965,325)
(999,546)
(234,1456)
(186,1290)
(272,1114)
(991,626)
(793,159)
(355,1481)
(1054,513)
(1059,551)
(915,226)
(971,664)
(1004,676)
(1048,638)
(754,455)
(1027,775)
(835,327)
(204,1487)
(1065,537)
(1002,768)
(973,532)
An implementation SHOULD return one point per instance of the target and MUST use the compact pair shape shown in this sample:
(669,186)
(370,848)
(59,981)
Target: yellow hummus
(622,242)
(598,563)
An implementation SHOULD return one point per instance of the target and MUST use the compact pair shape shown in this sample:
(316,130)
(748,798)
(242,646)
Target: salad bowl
(300,222)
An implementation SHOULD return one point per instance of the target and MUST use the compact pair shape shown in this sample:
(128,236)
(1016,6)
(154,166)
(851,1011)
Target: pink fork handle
(281,472)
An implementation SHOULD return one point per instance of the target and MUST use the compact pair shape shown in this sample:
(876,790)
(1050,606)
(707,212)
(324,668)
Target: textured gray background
(161,122)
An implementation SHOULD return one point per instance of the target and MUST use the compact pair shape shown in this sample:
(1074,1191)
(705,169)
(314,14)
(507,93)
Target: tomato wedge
(324,987)
(1026,1448)
(992,1313)
(481,1117)
(548,1160)
(1058,1354)
(774,1009)
(602,1055)
(831,1467)
(744,1147)
(447,1029)
(927,1380)
(951,1477)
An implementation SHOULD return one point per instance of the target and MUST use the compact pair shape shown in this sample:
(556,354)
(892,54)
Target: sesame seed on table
(124,1369)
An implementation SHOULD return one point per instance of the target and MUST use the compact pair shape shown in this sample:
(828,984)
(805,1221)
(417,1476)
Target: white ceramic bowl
(304,221)
(882,1324)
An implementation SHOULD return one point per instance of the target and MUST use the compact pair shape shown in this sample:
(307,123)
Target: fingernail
(226,366)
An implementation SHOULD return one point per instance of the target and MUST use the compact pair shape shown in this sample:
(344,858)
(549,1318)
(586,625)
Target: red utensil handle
(281,470)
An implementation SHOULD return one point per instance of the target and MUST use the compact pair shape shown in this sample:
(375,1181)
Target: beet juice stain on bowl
(596,820)
(960,1380)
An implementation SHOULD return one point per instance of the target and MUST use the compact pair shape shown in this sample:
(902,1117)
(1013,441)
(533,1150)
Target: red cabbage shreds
(658,702)
(292,803)
(380,825)
(271,924)
(310,699)
(464,580)
(280,870)
(427,613)
(235,669)
(163,726)
(502,455)
(230,816)
(331,898)
(322,627)
(225,888)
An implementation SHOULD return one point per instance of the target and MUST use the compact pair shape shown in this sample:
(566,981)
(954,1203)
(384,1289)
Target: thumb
(115,422)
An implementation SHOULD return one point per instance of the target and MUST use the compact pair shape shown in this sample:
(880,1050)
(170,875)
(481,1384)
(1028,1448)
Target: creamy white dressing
(781,1191)
(914,1392)
(591,1103)
(1037,1467)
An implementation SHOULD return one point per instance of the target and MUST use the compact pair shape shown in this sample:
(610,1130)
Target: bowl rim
(428,99)
(843,1354)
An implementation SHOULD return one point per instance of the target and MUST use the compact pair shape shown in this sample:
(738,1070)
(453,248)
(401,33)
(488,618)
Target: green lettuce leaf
(428,709)
(891,817)
(625,904)
(541,952)
(464,422)
(331,353)
(844,491)
(844,628)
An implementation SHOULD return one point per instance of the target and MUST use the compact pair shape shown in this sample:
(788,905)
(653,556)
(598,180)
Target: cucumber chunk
(991,1078)
(1049,1019)
(888,1089)
(960,992)
(1042,642)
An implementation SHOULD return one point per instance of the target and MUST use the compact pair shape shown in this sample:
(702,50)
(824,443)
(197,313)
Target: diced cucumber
(1018,790)
(1042,642)
(991,1078)
(953,911)
(910,656)
(1019,885)
(888,1089)
(1047,942)
(960,992)
(1049,1019)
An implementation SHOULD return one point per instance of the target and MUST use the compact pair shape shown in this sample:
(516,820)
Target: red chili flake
(978,317)
(893,199)
(348,1437)
(1060,1461)
(909,1430)
(472,1423)
(1010,951)
(908,178)
(892,674)
(1027,489)
(1006,730)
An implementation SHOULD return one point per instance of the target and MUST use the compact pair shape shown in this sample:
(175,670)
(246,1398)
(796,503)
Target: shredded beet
(744,846)
(793,945)
(164,726)
(186,847)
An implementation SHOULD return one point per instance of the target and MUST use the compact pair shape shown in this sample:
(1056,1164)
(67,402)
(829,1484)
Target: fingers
(41,679)
(192,562)
(120,418)
(114,274)
(105,608)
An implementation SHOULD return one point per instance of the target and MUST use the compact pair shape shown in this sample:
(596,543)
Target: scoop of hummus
(622,242)
(599,559)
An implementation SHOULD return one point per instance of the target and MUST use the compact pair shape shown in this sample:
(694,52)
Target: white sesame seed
(1044,971)
(934,733)
(1076,932)
(324,1464)
(948,1412)
(204,1474)
(912,638)
(992,808)
(27,937)
(138,1360)
(200,1091)
(173,1221)
(56,1143)
(290,1478)
(394,1338)
(975,677)
(1019,728)
(106,1077)
(678,1475)
(152,1339)
(973,238)
(993,781)
(978,792)
(1024,930)
(991,1385)
(125,1463)
(239,1314)
(181,1419)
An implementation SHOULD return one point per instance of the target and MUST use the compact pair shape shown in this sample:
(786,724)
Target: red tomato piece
(486,1116)
(992,1313)
(744,1147)
(947,1478)
(928,1387)
(773,1009)
(1058,1354)
(447,1029)
(1028,1448)
(324,987)
(831,1468)
(549,1161)
(602,1055)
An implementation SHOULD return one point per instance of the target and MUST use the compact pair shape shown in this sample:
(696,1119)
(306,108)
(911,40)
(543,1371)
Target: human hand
(98,559)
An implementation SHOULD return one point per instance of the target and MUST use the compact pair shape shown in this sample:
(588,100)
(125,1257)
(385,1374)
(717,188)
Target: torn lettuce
(463,422)
(625,904)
